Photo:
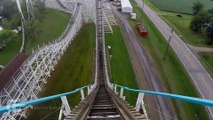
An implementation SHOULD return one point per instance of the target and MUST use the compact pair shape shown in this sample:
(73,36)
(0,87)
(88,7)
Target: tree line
(10,20)
(202,21)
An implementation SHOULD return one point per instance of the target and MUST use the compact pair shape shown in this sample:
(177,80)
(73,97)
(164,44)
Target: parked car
(1,67)
(178,15)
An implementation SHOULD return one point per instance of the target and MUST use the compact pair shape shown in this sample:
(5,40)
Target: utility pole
(143,5)
(170,38)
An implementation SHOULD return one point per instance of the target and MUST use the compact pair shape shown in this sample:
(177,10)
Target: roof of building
(126,3)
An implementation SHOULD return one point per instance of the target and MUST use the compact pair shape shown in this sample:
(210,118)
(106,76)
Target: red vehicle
(141,29)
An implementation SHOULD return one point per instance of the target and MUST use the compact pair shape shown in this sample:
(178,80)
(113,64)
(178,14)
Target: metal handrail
(201,101)
(21,105)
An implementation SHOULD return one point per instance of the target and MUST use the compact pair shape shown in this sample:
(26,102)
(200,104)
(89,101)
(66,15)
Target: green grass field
(73,71)
(172,71)
(181,26)
(207,58)
(50,28)
(121,66)
(183,6)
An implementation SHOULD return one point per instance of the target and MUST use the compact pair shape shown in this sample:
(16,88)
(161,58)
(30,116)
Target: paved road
(201,78)
(200,49)
(148,78)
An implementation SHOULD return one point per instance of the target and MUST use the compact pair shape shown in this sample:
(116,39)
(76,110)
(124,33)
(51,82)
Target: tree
(5,37)
(203,20)
(12,23)
(197,7)
(200,21)
(40,10)
(209,29)
(9,13)
(196,24)
(210,12)
(31,31)
(8,8)
(210,33)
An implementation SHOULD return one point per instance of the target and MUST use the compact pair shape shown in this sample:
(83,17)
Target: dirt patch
(10,70)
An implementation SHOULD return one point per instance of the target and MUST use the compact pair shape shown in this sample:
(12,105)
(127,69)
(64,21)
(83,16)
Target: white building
(126,6)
